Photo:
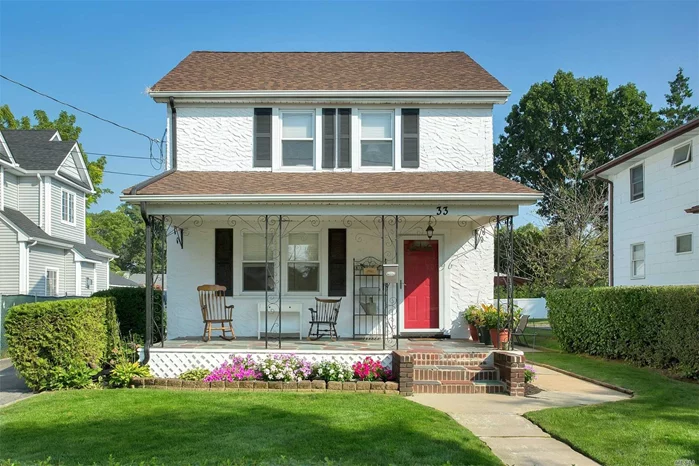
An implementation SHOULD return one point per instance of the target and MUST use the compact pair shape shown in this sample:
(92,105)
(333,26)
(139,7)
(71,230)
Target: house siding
(41,257)
(657,219)
(29,198)
(88,270)
(102,272)
(69,168)
(11,191)
(63,230)
(9,263)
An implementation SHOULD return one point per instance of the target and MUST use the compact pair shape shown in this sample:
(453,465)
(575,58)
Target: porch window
(377,138)
(257,272)
(638,260)
(303,263)
(297,138)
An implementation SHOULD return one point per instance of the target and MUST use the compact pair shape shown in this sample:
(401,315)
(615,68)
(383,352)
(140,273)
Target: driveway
(12,388)
(498,421)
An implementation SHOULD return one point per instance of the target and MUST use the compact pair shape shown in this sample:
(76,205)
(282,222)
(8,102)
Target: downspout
(173,133)
(610,225)
(149,287)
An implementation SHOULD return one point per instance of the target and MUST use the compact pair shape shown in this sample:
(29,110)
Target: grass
(545,339)
(659,425)
(184,427)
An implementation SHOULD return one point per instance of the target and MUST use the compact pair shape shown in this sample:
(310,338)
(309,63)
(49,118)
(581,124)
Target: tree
(677,112)
(574,122)
(65,125)
(123,232)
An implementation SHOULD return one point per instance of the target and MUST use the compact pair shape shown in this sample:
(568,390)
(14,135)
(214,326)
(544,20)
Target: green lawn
(657,427)
(544,339)
(233,428)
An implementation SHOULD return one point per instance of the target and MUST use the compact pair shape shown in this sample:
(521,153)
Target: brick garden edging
(511,368)
(388,388)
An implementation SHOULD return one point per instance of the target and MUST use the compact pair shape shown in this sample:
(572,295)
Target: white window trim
(638,277)
(319,261)
(279,140)
(75,210)
(691,244)
(46,281)
(274,261)
(689,155)
(643,181)
(360,112)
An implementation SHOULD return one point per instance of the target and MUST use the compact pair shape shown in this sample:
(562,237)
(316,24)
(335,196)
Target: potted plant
(500,334)
(474,318)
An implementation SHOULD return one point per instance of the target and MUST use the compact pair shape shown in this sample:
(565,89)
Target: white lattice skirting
(171,362)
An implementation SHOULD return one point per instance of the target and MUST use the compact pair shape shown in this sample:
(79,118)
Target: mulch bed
(530,389)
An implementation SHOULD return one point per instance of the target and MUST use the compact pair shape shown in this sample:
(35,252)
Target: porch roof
(331,185)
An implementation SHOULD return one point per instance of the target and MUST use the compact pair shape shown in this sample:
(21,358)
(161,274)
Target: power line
(127,174)
(99,154)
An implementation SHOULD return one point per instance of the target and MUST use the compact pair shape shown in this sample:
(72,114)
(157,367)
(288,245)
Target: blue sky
(102,56)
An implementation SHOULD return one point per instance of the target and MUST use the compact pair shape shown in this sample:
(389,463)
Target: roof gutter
(173,132)
(330,93)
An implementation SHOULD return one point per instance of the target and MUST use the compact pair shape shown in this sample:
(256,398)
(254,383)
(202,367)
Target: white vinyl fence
(535,307)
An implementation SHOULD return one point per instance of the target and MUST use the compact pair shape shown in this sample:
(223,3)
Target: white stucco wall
(218,138)
(466,278)
(657,219)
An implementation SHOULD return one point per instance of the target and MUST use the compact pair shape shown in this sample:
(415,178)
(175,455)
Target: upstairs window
(297,138)
(376,134)
(68,207)
(683,243)
(682,154)
(636,182)
(638,260)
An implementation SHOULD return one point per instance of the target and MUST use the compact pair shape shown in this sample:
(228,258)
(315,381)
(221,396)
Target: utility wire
(127,174)
(98,154)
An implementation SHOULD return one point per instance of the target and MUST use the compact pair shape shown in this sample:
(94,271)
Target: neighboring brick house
(44,250)
(654,204)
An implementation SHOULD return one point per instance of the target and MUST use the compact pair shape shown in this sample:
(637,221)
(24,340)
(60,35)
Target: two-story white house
(293,176)
(44,250)
(653,206)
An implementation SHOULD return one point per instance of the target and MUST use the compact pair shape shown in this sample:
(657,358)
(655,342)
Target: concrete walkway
(498,421)
(12,388)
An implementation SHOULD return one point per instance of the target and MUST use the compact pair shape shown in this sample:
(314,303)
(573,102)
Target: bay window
(297,138)
(256,272)
(376,134)
(303,262)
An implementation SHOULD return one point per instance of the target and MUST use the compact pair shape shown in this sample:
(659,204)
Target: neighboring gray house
(117,281)
(44,249)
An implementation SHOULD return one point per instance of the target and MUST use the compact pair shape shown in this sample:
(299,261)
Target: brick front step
(455,373)
(433,386)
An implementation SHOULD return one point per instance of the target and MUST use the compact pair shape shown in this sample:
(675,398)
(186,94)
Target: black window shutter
(411,140)
(329,138)
(344,152)
(337,262)
(223,268)
(263,137)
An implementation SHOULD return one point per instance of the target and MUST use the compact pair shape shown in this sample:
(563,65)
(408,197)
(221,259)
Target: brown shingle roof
(693,210)
(314,183)
(350,71)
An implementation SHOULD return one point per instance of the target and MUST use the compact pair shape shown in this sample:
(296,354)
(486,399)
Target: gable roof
(117,280)
(328,71)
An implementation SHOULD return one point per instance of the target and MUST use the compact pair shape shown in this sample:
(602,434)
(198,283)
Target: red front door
(421,293)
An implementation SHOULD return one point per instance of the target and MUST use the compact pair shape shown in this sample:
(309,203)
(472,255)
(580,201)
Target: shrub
(195,374)
(47,339)
(123,372)
(529,374)
(131,309)
(76,375)
(239,368)
(284,367)
(331,371)
(650,326)
(370,369)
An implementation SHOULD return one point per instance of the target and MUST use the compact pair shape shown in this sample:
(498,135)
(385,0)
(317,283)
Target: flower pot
(474,332)
(484,335)
(498,338)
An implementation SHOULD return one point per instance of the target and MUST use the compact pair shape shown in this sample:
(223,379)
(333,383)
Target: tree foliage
(571,121)
(677,112)
(66,127)
(123,232)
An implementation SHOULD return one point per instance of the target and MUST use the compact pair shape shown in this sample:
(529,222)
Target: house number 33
(442,210)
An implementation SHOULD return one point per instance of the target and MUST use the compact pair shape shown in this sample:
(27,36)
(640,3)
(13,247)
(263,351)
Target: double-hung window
(638,260)
(376,135)
(636,174)
(51,284)
(303,262)
(258,273)
(68,207)
(297,138)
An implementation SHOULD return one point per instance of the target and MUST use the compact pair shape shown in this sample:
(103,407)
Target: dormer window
(68,207)
(376,134)
(297,138)
(682,154)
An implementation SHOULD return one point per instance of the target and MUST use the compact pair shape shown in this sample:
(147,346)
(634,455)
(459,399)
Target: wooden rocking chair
(212,299)
(325,314)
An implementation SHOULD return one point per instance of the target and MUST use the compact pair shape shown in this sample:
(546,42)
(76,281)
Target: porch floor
(325,344)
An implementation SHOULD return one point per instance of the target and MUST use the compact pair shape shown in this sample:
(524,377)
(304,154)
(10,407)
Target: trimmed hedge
(656,326)
(131,309)
(44,337)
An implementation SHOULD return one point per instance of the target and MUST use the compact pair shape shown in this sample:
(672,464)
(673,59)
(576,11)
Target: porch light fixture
(429,230)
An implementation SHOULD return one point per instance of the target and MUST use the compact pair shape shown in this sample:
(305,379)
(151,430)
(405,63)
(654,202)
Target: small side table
(289,308)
